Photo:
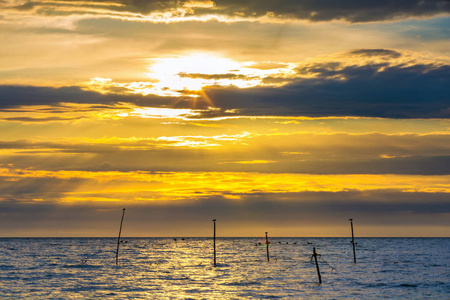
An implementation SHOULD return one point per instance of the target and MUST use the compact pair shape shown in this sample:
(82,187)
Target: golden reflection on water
(162,268)
(184,268)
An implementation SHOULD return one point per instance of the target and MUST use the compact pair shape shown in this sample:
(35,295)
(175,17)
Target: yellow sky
(265,116)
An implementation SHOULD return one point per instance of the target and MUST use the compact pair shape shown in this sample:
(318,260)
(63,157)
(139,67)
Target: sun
(192,72)
(201,63)
(188,75)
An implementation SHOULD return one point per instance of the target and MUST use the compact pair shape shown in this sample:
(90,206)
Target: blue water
(162,268)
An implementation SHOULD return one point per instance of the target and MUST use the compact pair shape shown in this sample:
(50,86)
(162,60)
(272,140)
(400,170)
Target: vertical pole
(317,264)
(118,239)
(267,247)
(214,242)
(353,241)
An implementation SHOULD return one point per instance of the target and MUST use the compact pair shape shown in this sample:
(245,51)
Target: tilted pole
(118,239)
(317,264)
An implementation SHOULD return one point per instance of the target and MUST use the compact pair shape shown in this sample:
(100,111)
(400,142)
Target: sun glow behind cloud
(193,72)
(187,75)
(155,112)
(169,71)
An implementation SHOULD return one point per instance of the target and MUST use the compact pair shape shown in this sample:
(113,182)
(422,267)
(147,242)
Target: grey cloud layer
(299,210)
(326,10)
(372,90)
(319,10)
(15,95)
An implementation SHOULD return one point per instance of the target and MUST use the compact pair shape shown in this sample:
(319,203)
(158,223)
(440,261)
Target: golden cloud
(191,185)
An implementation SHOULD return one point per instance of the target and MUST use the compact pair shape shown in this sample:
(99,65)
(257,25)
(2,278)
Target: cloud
(213,76)
(12,96)
(297,153)
(41,120)
(376,52)
(229,10)
(377,87)
(327,10)
(16,95)
(304,214)
(382,83)
(85,203)
(361,82)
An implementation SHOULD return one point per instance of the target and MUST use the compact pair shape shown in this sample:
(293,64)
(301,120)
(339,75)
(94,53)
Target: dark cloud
(376,52)
(42,120)
(50,147)
(313,10)
(18,95)
(29,189)
(202,161)
(327,10)
(416,165)
(371,90)
(11,96)
(237,218)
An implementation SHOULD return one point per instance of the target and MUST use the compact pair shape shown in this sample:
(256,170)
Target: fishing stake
(118,239)
(214,239)
(353,241)
(317,264)
(267,246)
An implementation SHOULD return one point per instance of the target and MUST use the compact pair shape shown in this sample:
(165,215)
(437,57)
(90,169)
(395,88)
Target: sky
(287,117)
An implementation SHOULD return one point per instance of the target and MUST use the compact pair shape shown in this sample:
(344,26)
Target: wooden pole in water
(215,263)
(267,247)
(353,241)
(317,264)
(118,239)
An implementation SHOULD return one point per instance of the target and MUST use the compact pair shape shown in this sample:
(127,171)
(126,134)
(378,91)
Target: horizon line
(198,237)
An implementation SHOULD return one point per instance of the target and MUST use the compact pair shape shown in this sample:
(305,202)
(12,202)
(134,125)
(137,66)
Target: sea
(183,268)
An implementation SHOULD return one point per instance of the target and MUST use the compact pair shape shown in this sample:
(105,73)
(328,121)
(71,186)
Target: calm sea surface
(162,268)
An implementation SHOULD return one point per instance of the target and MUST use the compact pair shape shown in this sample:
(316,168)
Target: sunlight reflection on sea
(164,268)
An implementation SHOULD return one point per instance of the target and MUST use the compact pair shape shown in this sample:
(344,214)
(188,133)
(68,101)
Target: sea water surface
(165,268)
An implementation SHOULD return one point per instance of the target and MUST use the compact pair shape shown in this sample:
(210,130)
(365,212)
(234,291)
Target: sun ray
(207,98)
